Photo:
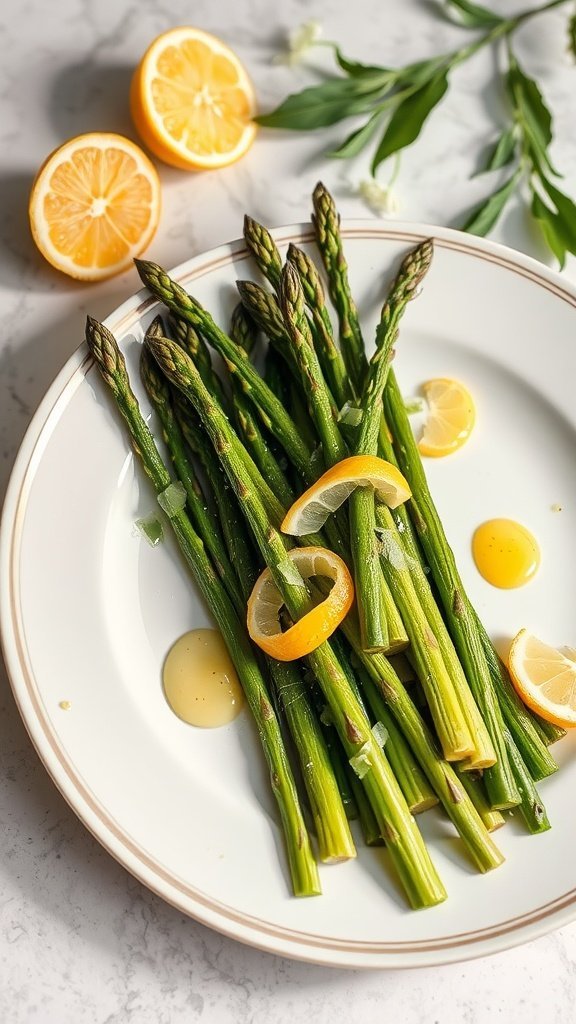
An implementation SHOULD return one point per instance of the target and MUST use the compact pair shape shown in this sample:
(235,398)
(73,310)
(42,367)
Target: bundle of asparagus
(368,743)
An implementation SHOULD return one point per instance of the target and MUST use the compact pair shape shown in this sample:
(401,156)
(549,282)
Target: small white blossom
(300,41)
(380,198)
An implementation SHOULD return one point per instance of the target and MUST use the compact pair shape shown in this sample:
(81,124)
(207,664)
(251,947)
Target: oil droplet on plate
(200,681)
(505,552)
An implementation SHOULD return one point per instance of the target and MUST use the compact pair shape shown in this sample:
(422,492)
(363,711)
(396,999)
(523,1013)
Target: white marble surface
(80,940)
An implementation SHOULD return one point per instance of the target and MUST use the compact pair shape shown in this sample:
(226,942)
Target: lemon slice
(317,625)
(95,205)
(451,417)
(192,102)
(309,512)
(545,678)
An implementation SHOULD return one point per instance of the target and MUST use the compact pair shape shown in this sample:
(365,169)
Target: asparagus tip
(155,328)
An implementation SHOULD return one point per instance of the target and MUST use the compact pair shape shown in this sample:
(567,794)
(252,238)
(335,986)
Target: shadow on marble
(21,265)
(28,368)
(90,97)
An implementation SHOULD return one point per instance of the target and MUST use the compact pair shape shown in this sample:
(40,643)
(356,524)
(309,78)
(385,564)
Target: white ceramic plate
(89,612)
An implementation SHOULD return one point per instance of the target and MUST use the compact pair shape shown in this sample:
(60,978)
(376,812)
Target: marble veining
(81,942)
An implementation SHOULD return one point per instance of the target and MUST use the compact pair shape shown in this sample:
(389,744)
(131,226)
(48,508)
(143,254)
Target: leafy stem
(397,102)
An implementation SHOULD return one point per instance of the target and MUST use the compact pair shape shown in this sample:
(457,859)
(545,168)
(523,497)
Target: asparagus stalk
(198,350)
(454,734)
(365,554)
(330,820)
(158,393)
(329,814)
(243,329)
(333,444)
(484,754)
(500,784)
(264,250)
(329,356)
(298,329)
(276,378)
(406,847)
(255,442)
(342,772)
(366,816)
(303,868)
(263,307)
(548,732)
(266,254)
(531,807)
(231,520)
(472,782)
(417,792)
(439,772)
(274,416)
(413,783)
(520,722)
(326,222)
(303,423)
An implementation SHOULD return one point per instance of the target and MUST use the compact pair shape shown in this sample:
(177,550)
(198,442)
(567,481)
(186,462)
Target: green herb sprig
(396,103)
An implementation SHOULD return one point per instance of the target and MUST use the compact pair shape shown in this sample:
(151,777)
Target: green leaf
(566,214)
(320,105)
(486,215)
(417,74)
(357,70)
(533,114)
(502,153)
(408,118)
(472,15)
(356,142)
(548,221)
(572,36)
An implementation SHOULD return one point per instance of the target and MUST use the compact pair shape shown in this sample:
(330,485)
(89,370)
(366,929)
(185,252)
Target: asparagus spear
(329,356)
(255,442)
(439,772)
(531,807)
(303,868)
(264,250)
(451,725)
(273,414)
(298,329)
(548,732)
(365,553)
(501,787)
(158,393)
(484,755)
(520,722)
(275,377)
(472,782)
(393,637)
(413,783)
(231,520)
(334,839)
(243,329)
(326,222)
(405,845)
(199,352)
(263,307)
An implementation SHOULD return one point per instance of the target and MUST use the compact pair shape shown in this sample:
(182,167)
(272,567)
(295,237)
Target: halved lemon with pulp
(544,678)
(451,417)
(192,101)
(318,624)
(311,510)
(94,205)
